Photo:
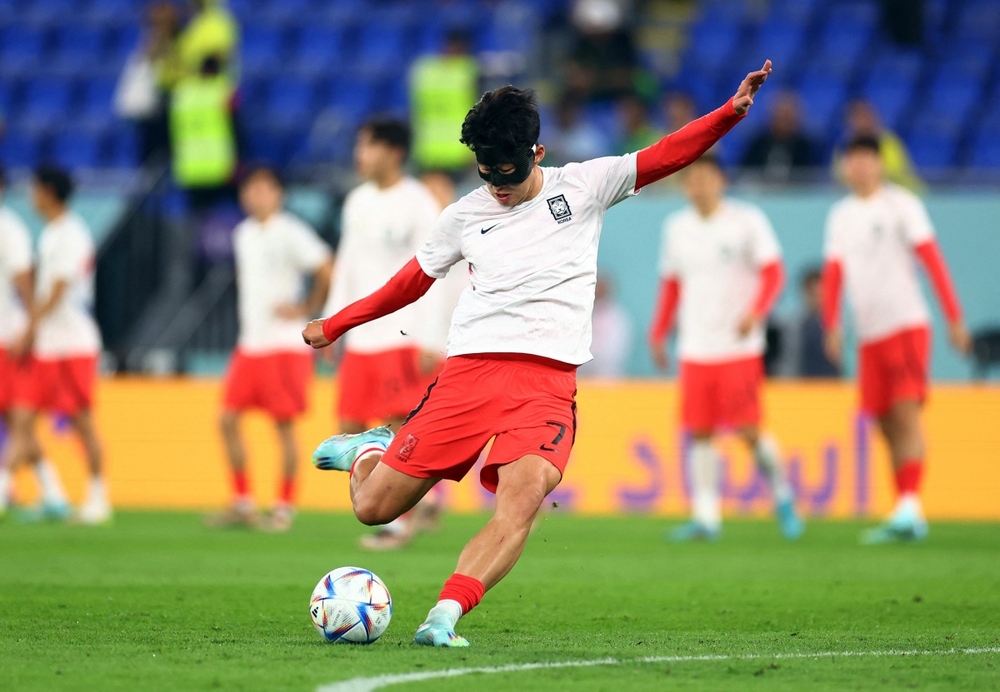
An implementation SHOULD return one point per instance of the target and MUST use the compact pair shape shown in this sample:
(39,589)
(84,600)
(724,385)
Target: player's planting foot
(789,522)
(93,513)
(238,515)
(896,530)
(341,451)
(438,634)
(383,539)
(279,520)
(694,531)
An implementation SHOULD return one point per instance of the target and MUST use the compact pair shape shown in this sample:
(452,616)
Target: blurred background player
(721,266)
(16,292)
(276,254)
(872,237)
(62,337)
(387,364)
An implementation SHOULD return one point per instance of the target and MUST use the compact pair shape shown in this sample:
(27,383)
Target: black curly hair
(505,119)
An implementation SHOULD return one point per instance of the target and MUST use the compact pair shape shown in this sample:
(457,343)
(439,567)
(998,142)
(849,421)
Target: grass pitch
(157,602)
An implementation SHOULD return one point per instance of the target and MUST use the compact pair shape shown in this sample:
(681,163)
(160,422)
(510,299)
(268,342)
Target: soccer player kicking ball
(388,363)
(275,255)
(17,292)
(872,239)
(62,338)
(519,332)
(721,263)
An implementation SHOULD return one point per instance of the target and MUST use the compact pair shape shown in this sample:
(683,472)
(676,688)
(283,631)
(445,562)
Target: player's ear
(539,153)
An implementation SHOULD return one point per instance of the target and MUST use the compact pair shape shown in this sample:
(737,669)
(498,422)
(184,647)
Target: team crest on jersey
(406,449)
(560,208)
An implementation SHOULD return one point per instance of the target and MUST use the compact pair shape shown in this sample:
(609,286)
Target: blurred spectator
(863,120)
(603,61)
(202,133)
(612,340)
(573,138)
(905,21)
(637,132)
(781,150)
(678,110)
(802,353)
(150,71)
(442,90)
(211,31)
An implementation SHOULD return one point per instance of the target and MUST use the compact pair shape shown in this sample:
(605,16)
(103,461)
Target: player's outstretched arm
(406,287)
(937,270)
(678,149)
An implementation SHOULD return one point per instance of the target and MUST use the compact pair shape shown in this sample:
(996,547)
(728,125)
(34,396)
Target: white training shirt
(382,231)
(66,253)
(873,240)
(717,261)
(534,266)
(273,260)
(15,259)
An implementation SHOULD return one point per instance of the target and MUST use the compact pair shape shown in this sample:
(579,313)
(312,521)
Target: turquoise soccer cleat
(896,530)
(693,531)
(438,634)
(789,522)
(339,452)
(47,511)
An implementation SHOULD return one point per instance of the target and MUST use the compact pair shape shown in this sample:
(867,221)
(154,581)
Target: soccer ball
(350,604)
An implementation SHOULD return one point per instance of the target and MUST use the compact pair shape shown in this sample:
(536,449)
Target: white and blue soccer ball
(351,604)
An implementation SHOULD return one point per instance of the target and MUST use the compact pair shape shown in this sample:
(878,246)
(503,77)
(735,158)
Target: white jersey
(873,240)
(717,261)
(380,233)
(273,260)
(15,259)
(534,266)
(66,253)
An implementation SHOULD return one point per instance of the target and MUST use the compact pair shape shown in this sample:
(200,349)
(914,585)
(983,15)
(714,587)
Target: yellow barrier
(163,451)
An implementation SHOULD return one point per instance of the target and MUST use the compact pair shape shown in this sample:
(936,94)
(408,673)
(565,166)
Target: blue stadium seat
(288,10)
(266,145)
(351,96)
(21,48)
(953,96)
(291,102)
(48,11)
(19,149)
(933,141)
(798,11)
(98,98)
(113,12)
(317,49)
(841,45)
(979,20)
(380,47)
(9,10)
(779,41)
(79,47)
(986,149)
(75,149)
(711,45)
(262,48)
(823,104)
(121,42)
(891,98)
(121,149)
(46,103)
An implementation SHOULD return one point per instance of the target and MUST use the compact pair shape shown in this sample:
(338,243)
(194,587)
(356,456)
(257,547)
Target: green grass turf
(158,602)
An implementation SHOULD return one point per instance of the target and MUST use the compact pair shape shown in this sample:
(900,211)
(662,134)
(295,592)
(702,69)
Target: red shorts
(894,369)
(273,382)
(718,396)
(527,404)
(65,385)
(380,386)
(13,378)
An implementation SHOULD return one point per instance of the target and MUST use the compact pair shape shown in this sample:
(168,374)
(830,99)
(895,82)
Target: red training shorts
(375,387)
(528,404)
(719,396)
(273,382)
(13,378)
(64,385)
(893,369)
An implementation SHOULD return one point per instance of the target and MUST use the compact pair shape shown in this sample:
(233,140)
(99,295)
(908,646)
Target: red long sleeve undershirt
(772,279)
(930,256)
(405,287)
(677,150)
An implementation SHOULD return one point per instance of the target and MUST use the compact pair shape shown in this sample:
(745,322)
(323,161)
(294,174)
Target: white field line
(378,682)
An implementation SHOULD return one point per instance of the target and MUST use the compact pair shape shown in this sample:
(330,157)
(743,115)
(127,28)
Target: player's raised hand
(314,336)
(747,324)
(748,89)
(958,335)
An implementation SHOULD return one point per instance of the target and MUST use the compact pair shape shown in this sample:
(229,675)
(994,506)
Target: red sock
(468,591)
(908,476)
(240,484)
(287,490)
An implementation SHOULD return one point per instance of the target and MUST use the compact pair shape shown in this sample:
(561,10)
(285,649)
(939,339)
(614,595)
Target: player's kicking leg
(521,488)
(903,433)
(706,501)
(770,465)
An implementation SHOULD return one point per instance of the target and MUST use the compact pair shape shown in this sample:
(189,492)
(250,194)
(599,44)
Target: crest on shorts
(560,208)
(406,449)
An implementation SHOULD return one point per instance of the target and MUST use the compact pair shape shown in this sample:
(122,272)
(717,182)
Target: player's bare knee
(371,511)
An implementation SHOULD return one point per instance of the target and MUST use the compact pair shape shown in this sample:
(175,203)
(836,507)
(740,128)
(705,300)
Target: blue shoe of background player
(438,634)
(340,451)
(789,522)
(693,531)
(903,527)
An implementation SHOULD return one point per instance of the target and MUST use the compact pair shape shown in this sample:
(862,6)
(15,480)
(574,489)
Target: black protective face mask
(493,158)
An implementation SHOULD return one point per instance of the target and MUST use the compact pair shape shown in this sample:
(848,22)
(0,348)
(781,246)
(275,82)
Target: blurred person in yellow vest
(211,31)
(863,121)
(443,88)
(202,132)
